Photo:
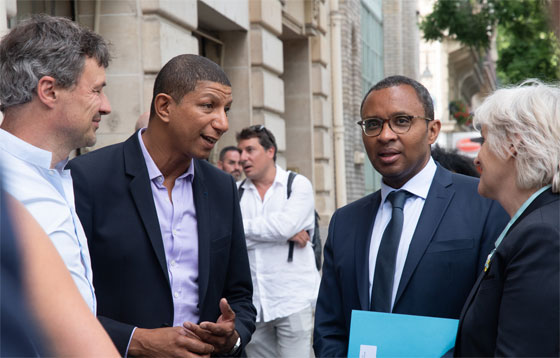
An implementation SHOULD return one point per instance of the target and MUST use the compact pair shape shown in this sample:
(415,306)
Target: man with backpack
(279,221)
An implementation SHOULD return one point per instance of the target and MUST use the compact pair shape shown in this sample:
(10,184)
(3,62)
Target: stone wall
(276,54)
(352,97)
(401,43)
(322,117)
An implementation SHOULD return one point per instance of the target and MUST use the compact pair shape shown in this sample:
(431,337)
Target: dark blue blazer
(115,204)
(455,233)
(513,309)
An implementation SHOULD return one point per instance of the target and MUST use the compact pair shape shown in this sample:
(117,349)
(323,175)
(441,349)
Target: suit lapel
(364,224)
(141,191)
(200,196)
(541,200)
(466,307)
(437,201)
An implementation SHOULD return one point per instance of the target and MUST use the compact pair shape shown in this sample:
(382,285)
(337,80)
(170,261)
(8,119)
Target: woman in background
(513,309)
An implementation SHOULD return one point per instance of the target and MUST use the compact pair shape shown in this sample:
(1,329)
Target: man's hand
(301,238)
(168,342)
(222,334)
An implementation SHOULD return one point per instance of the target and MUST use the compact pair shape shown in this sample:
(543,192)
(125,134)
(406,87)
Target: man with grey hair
(51,95)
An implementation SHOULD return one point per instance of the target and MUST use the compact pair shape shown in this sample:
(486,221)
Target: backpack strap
(291,176)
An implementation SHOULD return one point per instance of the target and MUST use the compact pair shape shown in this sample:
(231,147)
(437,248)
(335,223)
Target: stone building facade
(352,91)
(296,66)
(277,54)
(402,37)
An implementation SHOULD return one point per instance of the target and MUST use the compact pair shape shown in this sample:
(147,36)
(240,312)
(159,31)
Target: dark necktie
(382,290)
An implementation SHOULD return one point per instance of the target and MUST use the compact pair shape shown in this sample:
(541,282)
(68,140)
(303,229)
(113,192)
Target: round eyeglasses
(399,123)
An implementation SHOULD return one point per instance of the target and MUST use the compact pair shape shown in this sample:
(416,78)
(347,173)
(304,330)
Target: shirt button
(174,232)
(173,263)
(176,295)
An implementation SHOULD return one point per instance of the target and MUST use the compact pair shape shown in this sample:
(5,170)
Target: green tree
(527,47)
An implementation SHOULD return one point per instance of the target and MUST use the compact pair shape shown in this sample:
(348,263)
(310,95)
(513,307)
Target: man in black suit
(447,229)
(164,227)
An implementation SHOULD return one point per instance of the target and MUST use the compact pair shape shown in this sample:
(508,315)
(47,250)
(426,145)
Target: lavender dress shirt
(177,221)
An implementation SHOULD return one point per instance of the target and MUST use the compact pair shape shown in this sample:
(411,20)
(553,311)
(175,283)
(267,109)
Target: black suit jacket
(455,232)
(513,309)
(115,204)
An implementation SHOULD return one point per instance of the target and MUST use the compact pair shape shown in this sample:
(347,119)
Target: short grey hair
(45,46)
(526,117)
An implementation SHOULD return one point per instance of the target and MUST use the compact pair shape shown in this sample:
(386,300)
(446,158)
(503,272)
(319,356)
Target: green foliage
(526,45)
(527,48)
(458,19)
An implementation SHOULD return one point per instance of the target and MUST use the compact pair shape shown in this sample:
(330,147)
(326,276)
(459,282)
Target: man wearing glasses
(415,246)
(276,218)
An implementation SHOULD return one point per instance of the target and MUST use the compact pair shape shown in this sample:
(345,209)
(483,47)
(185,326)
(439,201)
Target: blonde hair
(527,118)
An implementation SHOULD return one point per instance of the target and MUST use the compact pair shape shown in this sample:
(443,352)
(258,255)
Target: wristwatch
(236,347)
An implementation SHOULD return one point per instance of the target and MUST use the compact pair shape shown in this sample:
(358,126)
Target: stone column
(298,103)
(322,119)
(237,65)
(267,88)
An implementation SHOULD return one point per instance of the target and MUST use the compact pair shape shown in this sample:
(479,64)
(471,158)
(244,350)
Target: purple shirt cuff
(129,340)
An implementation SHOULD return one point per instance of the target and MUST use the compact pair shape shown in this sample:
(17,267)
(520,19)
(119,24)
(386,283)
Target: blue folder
(376,334)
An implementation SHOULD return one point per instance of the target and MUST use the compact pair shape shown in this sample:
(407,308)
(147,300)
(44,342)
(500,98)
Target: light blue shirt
(419,185)
(48,195)
(179,231)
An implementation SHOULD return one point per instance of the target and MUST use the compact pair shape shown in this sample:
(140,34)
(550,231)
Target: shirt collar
(419,185)
(281,178)
(153,170)
(28,152)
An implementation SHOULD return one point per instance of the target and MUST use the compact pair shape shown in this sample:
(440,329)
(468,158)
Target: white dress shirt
(419,185)
(280,288)
(48,195)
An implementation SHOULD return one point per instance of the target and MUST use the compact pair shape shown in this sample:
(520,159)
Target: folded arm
(279,226)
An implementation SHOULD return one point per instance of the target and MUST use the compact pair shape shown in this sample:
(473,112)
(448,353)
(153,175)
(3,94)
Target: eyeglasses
(261,128)
(399,123)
